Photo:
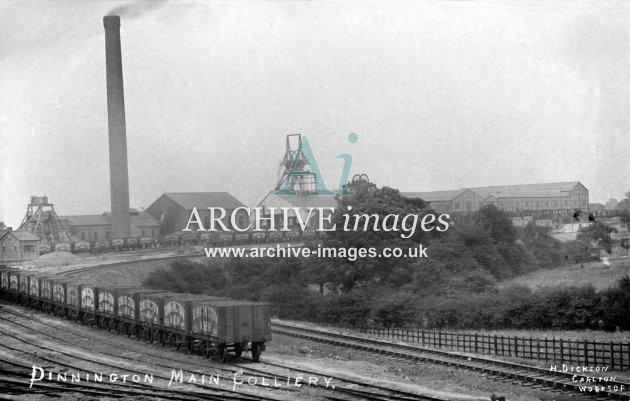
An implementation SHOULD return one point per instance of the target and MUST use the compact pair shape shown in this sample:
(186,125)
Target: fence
(615,355)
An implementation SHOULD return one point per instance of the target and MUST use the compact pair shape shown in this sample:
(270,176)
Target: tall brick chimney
(118,174)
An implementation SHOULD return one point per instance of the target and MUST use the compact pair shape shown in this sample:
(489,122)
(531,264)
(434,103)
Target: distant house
(596,207)
(173,210)
(18,245)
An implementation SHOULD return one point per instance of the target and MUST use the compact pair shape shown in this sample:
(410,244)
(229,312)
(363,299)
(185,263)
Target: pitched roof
(143,220)
(87,220)
(306,201)
(202,200)
(499,191)
(527,190)
(435,196)
(24,236)
(139,219)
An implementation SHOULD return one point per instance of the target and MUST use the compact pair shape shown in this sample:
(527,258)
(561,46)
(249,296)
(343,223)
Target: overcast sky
(442,94)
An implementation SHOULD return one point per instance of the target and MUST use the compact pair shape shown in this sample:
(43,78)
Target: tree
(598,234)
(377,203)
(546,249)
(498,225)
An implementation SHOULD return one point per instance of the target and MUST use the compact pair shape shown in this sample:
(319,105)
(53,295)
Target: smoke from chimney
(118,174)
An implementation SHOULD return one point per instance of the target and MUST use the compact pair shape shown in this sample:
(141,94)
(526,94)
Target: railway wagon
(58,297)
(89,303)
(89,312)
(131,243)
(63,246)
(45,293)
(73,299)
(4,281)
(23,287)
(221,325)
(232,325)
(14,285)
(81,246)
(35,290)
(128,313)
(161,316)
(29,288)
(107,306)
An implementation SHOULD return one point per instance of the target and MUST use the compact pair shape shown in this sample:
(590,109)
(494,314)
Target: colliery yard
(39,346)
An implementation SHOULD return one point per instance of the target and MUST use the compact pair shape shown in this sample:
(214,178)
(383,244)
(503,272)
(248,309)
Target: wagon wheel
(256,350)
(238,348)
(208,350)
(223,352)
(190,345)
(178,343)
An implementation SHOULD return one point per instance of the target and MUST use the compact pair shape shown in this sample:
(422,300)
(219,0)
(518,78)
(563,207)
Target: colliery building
(539,200)
(299,203)
(173,210)
(99,227)
(18,245)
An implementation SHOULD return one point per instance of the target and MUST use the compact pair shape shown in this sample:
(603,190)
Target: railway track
(375,392)
(73,272)
(343,390)
(516,373)
(42,347)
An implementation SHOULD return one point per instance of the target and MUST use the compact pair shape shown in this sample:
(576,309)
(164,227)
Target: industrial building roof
(87,220)
(20,235)
(499,191)
(435,196)
(144,220)
(301,201)
(138,219)
(202,200)
(527,190)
